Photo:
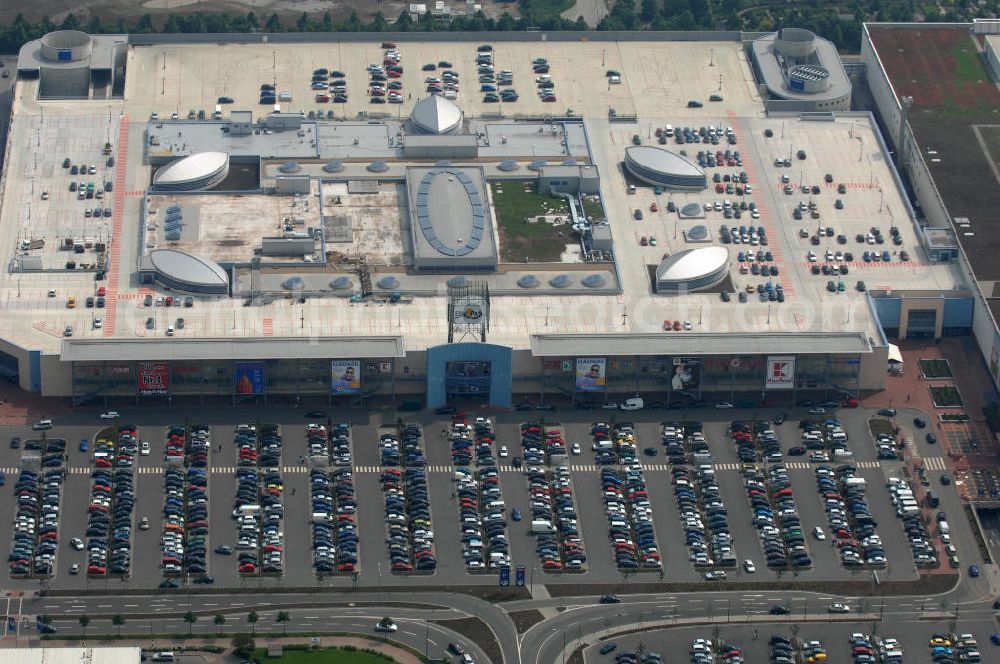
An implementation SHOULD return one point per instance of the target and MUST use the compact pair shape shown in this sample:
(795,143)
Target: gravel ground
(524,620)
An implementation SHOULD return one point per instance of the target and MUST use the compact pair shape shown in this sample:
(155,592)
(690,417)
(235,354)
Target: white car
(575,449)
(816,410)
(503,451)
(144,450)
(839,607)
(110,415)
(819,534)
(386,626)
(749,566)
(76,543)
(723,404)
(611,405)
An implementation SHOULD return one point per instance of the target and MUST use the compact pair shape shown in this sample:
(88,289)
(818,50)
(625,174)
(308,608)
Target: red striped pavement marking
(739,126)
(42,327)
(110,317)
(268,327)
(800,320)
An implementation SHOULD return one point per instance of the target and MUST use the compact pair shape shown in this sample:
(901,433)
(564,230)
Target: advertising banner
(505,575)
(248,378)
(591,374)
(519,575)
(686,374)
(154,379)
(345,376)
(780,372)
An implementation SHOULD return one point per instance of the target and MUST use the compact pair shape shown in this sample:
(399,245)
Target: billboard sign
(154,379)
(519,576)
(248,378)
(345,376)
(780,372)
(591,374)
(686,373)
(505,575)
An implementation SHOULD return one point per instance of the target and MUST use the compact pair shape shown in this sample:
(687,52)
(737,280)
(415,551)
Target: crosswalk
(931,463)
(229,470)
(935,463)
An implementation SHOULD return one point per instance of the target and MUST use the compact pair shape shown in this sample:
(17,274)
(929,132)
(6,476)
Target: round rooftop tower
(435,115)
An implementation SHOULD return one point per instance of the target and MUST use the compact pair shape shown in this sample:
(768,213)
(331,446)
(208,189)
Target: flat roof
(700,343)
(659,78)
(923,61)
(450,216)
(70,655)
(92,350)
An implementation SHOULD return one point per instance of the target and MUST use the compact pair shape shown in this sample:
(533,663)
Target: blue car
(487,88)
(515,514)
(84,446)
(973,571)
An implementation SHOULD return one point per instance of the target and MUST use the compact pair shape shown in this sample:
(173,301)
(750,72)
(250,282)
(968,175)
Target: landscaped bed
(525,234)
(935,368)
(879,426)
(955,417)
(946,396)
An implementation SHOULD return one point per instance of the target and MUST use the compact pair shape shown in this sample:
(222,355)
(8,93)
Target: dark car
(779,610)
(610,599)
(919,423)
(15,443)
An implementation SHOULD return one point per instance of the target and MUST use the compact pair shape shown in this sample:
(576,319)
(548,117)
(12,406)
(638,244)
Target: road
(592,11)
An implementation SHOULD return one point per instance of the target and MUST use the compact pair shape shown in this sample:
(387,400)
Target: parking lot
(840,643)
(284,498)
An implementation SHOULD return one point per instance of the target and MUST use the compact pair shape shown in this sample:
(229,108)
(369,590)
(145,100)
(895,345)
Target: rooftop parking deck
(658,80)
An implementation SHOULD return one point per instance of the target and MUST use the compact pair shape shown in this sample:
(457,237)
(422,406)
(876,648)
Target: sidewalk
(20,408)
(398,654)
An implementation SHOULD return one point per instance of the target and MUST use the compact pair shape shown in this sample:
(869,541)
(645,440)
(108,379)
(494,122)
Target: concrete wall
(477,37)
(871,375)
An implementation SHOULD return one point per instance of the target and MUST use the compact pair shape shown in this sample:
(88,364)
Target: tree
(118,620)
(172,25)
(405,22)
(273,24)
(84,622)
(243,646)
(219,620)
(650,8)
(144,26)
(252,618)
(71,22)
(190,618)
(283,618)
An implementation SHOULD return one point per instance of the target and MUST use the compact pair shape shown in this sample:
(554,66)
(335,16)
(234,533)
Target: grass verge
(525,620)
(338,655)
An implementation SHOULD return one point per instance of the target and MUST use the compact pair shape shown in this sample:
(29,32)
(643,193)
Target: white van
(635,403)
(42,424)
(163,657)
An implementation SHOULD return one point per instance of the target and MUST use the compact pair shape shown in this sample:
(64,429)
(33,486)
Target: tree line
(839,22)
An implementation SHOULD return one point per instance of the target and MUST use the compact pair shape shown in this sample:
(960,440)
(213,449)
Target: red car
(322,99)
(849,403)
(102,291)
(677,325)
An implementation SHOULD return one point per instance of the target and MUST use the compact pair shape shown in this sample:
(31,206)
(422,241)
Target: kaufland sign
(780,373)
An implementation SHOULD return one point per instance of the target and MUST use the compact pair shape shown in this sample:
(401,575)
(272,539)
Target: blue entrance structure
(494,366)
